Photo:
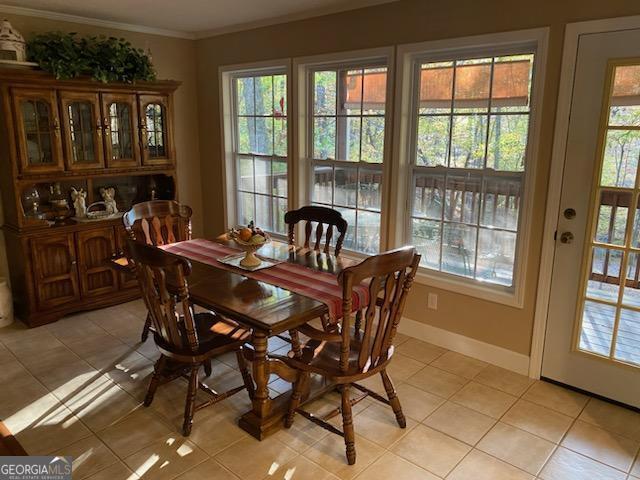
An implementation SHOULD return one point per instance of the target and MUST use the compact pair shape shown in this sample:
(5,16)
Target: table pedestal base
(262,427)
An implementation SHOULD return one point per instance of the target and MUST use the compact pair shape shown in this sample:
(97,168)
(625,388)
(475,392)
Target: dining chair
(186,340)
(323,217)
(157,222)
(351,355)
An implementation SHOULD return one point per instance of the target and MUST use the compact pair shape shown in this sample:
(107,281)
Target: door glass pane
(120,130)
(156,130)
(37,122)
(612,216)
(631,295)
(620,163)
(628,337)
(604,279)
(81,129)
(597,327)
(609,325)
(624,110)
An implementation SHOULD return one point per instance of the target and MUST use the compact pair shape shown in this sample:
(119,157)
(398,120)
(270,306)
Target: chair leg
(358,323)
(347,426)
(207,368)
(246,376)
(155,380)
(146,329)
(393,399)
(296,396)
(295,343)
(190,405)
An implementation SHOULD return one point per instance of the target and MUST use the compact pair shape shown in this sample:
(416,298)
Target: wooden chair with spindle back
(322,216)
(186,340)
(351,355)
(158,222)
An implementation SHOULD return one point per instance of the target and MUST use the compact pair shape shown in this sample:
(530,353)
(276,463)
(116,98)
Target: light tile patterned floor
(75,388)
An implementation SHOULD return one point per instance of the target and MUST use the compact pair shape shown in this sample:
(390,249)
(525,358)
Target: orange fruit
(245,234)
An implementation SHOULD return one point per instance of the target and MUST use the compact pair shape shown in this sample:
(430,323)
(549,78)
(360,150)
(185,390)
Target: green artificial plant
(106,59)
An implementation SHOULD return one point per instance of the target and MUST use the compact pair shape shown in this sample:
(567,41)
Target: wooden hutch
(58,135)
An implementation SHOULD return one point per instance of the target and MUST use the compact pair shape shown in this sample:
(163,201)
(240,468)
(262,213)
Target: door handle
(566,237)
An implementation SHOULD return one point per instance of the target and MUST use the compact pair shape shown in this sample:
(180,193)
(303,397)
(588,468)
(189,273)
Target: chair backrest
(163,280)
(389,276)
(322,216)
(158,222)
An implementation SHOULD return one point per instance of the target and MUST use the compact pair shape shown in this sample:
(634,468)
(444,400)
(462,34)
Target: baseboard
(508,359)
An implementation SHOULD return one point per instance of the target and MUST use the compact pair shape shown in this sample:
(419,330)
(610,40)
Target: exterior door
(55,270)
(120,125)
(593,330)
(38,130)
(155,131)
(82,130)
(95,249)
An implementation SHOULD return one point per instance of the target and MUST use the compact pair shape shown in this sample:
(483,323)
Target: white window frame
(535,41)
(303,68)
(227,74)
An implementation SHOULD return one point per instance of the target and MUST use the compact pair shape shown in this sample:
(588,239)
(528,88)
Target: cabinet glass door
(39,146)
(156,141)
(121,147)
(83,130)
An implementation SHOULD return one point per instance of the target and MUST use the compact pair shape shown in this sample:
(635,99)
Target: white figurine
(109,197)
(79,198)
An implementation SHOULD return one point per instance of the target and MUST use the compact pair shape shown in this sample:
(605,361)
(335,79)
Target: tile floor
(75,387)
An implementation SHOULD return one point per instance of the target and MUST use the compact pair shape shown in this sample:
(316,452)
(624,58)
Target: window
(468,164)
(347,145)
(260,149)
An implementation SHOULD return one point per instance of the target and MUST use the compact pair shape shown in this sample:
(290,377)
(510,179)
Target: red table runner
(320,286)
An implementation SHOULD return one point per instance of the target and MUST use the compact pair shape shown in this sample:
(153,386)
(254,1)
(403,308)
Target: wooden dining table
(268,310)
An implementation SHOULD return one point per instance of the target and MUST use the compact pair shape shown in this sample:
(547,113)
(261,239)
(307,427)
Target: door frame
(572,35)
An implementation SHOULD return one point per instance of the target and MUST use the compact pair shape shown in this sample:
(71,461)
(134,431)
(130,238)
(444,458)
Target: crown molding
(64,17)
(292,17)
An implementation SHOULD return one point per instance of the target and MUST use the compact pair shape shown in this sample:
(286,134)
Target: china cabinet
(64,136)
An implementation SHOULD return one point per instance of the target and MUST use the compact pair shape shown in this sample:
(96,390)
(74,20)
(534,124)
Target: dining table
(266,309)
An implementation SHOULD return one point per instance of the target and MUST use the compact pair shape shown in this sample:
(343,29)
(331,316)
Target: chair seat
(216,334)
(323,358)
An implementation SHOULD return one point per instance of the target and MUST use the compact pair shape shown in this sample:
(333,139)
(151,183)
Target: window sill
(510,297)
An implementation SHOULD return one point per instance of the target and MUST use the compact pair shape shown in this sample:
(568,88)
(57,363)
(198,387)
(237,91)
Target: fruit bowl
(249,239)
